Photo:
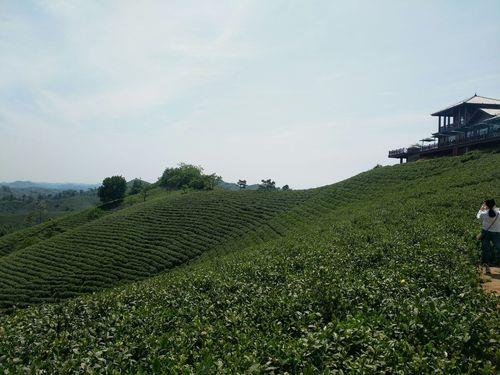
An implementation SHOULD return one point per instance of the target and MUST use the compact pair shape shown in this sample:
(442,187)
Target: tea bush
(376,274)
(136,243)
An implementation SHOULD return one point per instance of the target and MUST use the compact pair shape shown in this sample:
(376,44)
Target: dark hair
(490,203)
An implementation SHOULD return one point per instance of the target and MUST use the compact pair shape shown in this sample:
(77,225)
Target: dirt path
(492,283)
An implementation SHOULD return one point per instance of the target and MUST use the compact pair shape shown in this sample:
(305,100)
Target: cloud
(302,92)
(121,59)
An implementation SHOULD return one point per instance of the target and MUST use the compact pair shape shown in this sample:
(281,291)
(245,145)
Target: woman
(490,232)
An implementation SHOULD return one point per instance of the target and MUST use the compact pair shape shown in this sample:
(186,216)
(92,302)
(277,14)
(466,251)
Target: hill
(138,181)
(135,243)
(29,185)
(234,186)
(63,223)
(25,203)
(375,274)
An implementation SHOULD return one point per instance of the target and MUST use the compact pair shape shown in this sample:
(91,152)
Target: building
(469,125)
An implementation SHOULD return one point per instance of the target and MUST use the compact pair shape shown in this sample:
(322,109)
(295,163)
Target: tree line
(268,184)
(184,177)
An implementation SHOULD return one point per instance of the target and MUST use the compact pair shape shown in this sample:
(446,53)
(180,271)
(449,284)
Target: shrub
(187,176)
(112,188)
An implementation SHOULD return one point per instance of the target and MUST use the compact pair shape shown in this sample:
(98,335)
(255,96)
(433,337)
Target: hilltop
(376,273)
(20,200)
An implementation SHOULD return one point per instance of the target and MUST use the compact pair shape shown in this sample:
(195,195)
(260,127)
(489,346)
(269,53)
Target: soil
(492,283)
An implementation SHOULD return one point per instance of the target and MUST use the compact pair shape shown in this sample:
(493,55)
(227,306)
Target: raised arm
(483,210)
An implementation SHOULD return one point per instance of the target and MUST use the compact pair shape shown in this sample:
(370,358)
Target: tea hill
(375,274)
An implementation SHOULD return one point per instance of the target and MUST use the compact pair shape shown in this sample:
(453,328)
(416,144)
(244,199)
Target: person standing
(490,232)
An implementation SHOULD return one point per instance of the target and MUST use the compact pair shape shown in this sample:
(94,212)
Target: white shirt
(487,220)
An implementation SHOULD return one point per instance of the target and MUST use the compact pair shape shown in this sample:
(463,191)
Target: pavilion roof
(476,99)
(491,111)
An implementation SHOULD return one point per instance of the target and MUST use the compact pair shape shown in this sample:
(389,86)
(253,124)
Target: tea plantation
(31,235)
(376,274)
(136,243)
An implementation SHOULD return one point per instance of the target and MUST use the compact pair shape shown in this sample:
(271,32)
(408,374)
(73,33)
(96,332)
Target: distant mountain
(48,185)
(131,182)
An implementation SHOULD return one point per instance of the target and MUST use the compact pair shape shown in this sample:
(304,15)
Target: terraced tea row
(136,243)
(147,238)
(41,232)
(378,285)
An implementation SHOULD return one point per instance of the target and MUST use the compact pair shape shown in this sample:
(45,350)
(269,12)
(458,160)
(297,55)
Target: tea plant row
(375,286)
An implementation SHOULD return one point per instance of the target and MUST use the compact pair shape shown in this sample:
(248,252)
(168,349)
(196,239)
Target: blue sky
(304,92)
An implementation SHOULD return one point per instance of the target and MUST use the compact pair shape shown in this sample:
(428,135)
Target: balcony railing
(402,152)
(399,151)
(471,139)
(429,147)
(449,128)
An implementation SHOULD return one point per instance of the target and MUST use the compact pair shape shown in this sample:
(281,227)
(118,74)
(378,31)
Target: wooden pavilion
(470,124)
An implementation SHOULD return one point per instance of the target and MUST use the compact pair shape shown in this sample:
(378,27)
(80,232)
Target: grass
(374,274)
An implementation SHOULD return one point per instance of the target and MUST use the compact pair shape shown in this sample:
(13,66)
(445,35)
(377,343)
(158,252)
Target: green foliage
(136,188)
(94,213)
(7,228)
(21,210)
(267,184)
(187,176)
(145,192)
(17,238)
(112,188)
(137,242)
(375,274)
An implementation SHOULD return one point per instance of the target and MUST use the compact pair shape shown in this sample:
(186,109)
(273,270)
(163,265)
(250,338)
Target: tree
(137,186)
(187,176)
(41,208)
(267,184)
(210,181)
(112,188)
(180,177)
(285,187)
(242,184)
(30,218)
(145,192)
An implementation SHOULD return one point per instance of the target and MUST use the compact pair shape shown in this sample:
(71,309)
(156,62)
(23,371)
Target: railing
(468,140)
(435,146)
(429,147)
(448,128)
(399,151)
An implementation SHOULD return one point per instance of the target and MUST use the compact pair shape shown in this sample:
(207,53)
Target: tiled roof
(476,99)
(491,111)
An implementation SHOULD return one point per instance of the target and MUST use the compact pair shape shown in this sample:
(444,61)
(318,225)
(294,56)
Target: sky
(304,92)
